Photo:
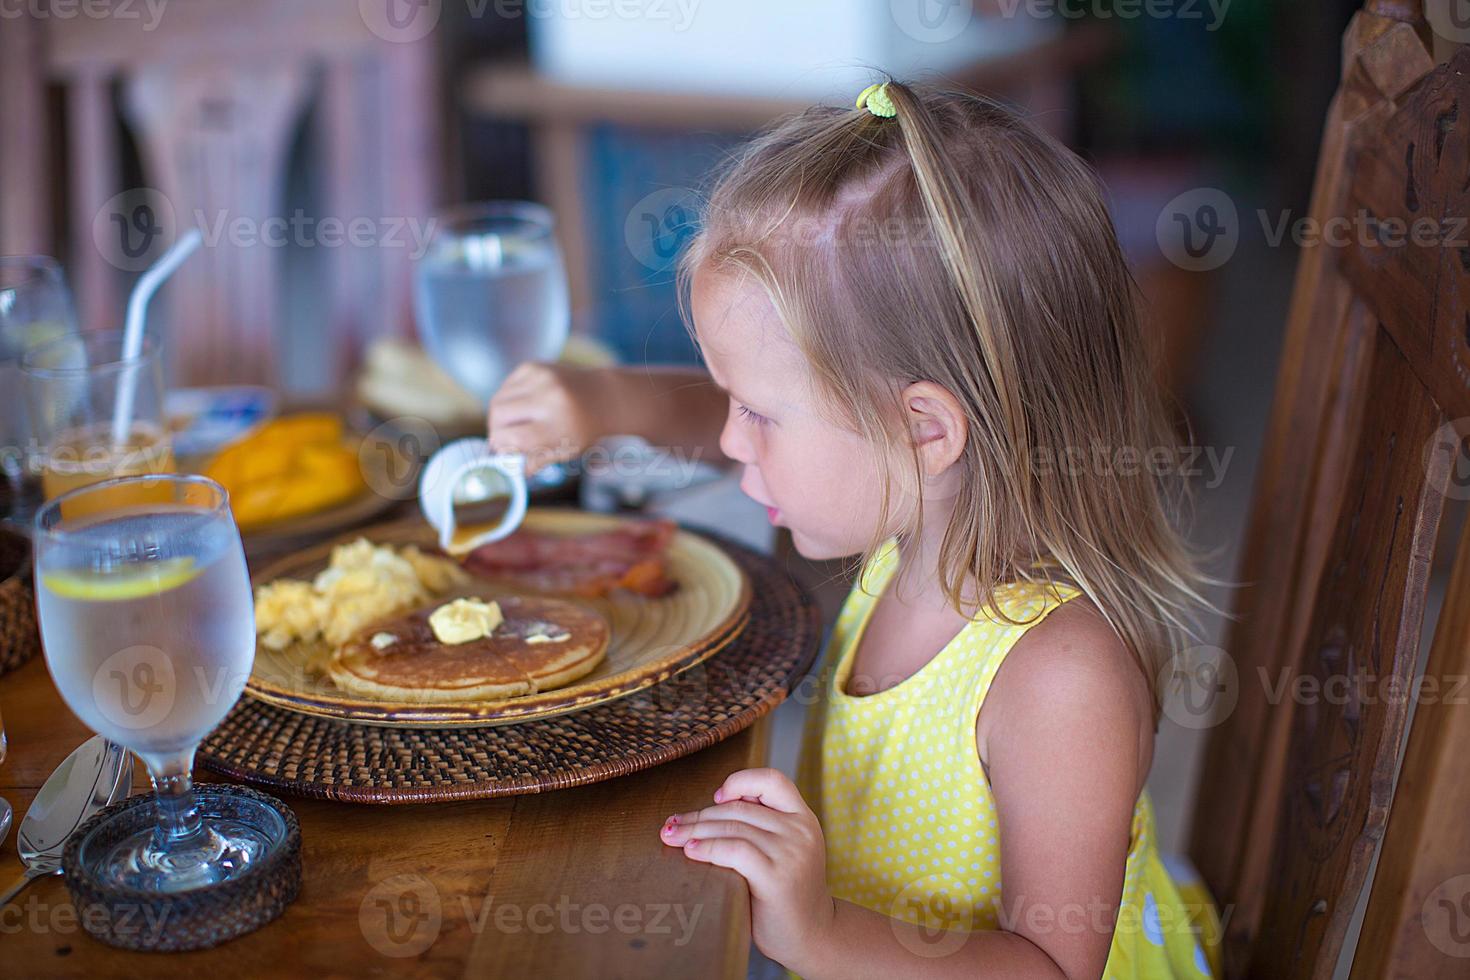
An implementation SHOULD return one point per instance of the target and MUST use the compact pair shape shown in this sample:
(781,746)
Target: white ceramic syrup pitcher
(466,473)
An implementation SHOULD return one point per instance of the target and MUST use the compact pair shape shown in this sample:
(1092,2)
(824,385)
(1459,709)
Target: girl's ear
(937,423)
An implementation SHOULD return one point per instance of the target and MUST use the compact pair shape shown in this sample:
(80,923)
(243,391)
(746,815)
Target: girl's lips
(773,513)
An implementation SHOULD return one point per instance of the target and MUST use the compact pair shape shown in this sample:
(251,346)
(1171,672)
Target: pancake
(505,664)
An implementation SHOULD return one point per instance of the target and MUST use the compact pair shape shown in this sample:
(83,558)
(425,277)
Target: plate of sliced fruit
(306,475)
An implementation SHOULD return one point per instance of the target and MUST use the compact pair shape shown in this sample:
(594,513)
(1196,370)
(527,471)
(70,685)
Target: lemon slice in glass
(135,581)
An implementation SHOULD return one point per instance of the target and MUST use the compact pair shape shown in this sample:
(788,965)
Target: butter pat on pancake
(416,666)
(464,620)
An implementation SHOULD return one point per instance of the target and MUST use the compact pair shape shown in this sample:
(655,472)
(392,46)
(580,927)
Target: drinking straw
(147,285)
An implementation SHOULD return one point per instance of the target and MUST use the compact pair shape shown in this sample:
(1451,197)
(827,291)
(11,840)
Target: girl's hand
(551,412)
(762,828)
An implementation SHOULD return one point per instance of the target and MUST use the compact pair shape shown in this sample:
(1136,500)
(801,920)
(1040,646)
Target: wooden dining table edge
(524,849)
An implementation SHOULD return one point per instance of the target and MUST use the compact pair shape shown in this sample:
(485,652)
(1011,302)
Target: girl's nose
(733,441)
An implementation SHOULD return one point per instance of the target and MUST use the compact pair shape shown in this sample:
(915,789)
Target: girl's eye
(753,417)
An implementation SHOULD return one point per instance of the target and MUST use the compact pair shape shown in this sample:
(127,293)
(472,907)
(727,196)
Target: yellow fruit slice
(290,467)
(127,582)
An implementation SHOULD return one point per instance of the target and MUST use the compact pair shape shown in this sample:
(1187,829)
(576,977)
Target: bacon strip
(633,556)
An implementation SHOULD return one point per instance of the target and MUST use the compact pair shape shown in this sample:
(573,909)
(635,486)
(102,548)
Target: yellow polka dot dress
(906,809)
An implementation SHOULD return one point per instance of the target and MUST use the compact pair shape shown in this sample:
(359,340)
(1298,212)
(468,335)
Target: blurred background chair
(224,114)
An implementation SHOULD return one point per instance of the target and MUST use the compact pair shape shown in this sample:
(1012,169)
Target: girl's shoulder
(1075,649)
(1071,667)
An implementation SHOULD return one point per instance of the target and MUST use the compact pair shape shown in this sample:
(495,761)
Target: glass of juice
(73,387)
(147,622)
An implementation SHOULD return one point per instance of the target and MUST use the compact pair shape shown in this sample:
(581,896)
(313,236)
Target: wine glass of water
(491,292)
(148,625)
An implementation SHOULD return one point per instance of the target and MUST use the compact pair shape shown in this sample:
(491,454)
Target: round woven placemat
(327,759)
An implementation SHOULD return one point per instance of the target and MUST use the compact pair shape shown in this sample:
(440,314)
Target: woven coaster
(19,637)
(327,759)
(172,922)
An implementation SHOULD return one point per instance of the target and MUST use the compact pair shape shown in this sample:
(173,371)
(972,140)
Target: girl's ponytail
(952,218)
(1003,435)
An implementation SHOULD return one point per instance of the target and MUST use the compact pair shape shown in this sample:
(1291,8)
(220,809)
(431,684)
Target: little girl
(927,334)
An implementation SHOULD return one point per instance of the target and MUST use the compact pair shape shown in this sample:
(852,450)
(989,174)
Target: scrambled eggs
(362,583)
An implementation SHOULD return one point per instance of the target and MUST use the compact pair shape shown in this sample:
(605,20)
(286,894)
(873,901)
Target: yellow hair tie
(875,99)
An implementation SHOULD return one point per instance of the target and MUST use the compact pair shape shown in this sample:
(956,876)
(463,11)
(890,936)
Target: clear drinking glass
(35,307)
(491,292)
(147,621)
(73,385)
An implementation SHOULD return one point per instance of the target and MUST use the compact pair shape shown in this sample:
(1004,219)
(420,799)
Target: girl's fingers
(516,437)
(515,411)
(752,813)
(767,786)
(516,385)
(734,853)
(530,380)
(534,439)
(679,834)
(503,425)
(523,375)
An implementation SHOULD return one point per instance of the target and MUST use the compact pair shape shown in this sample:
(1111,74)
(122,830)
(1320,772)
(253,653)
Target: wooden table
(565,884)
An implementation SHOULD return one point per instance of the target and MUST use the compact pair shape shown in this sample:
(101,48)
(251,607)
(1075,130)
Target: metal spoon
(98,773)
(5,813)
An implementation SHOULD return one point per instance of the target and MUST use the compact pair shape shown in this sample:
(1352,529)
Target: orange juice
(83,456)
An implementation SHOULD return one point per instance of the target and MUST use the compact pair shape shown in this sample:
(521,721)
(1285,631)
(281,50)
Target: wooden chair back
(1304,789)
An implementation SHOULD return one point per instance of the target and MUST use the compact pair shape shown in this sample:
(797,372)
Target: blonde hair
(955,243)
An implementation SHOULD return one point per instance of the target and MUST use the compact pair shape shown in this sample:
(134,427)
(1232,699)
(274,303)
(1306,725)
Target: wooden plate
(652,639)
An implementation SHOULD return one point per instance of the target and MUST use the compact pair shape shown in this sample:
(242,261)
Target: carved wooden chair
(1303,796)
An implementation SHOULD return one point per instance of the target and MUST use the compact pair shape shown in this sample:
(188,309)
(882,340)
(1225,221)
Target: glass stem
(179,825)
